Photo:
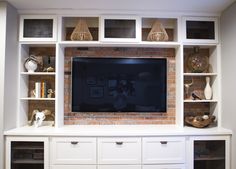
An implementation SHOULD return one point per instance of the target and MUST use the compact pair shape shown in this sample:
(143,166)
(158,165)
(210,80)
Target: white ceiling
(196,6)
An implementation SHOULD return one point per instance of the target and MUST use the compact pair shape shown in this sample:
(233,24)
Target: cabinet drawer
(163,150)
(73,150)
(74,167)
(119,167)
(163,167)
(119,151)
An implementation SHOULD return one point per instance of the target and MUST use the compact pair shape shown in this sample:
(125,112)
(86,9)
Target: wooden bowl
(198,121)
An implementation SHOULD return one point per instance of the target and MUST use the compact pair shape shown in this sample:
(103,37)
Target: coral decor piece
(157,33)
(81,32)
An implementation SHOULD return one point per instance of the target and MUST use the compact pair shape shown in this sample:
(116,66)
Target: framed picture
(91,80)
(96,92)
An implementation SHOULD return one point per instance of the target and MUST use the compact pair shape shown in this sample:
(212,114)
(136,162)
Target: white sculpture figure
(39,117)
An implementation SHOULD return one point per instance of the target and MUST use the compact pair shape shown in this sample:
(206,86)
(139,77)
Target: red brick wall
(120,118)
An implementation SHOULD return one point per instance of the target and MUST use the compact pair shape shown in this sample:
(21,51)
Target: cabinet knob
(163,142)
(74,142)
(119,143)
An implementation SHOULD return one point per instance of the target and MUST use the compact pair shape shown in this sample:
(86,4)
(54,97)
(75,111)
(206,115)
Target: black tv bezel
(146,58)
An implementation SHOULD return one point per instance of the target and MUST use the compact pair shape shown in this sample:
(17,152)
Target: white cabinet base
(73,167)
(163,167)
(119,167)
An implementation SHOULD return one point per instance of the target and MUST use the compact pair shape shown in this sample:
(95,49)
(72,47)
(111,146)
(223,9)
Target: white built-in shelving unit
(62,26)
(28,79)
(213,52)
(102,147)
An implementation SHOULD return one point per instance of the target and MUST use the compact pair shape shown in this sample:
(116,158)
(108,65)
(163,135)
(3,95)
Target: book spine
(38,90)
(43,90)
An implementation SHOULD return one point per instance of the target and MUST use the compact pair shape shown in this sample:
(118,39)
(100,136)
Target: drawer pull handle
(163,142)
(74,142)
(119,143)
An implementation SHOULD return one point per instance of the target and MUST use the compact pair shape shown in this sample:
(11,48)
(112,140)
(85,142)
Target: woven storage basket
(81,32)
(158,32)
(194,121)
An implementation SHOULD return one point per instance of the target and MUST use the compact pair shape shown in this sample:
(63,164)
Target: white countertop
(116,130)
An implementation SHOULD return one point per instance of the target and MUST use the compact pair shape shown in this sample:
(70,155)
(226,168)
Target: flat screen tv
(119,84)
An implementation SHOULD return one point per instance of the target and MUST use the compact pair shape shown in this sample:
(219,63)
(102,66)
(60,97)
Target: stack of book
(41,90)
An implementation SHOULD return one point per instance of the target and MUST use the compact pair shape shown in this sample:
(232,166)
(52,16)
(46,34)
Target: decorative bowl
(199,121)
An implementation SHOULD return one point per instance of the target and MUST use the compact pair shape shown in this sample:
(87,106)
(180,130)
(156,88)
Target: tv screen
(119,84)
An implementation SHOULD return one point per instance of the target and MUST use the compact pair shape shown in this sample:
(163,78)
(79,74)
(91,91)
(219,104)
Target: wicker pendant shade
(157,33)
(81,32)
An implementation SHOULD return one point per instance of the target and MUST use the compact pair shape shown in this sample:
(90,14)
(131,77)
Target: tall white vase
(208,89)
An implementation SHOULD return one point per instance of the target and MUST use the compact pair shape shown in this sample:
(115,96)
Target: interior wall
(11,69)
(228,37)
(8,64)
(2,66)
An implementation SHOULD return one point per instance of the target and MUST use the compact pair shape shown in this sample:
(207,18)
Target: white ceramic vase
(208,89)
(31,64)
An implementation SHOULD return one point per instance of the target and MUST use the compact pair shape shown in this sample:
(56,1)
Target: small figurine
(187,86)
(195,97)
(49,69)
(50,93)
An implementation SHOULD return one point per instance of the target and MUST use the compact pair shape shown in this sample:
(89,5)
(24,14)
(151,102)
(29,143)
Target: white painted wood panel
(119,167)
(73,150)
(160,150)
(73,167)
(228,60)
(163,167)
(2,76)
(119,150)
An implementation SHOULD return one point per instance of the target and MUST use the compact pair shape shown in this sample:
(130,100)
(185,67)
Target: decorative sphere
(205,117)
(197,63)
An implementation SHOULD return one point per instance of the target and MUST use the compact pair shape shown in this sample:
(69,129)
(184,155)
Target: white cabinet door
(119,150)
(27,151)
(119,167)
(160,150)
(163,167)
(209,152)
(73,167)
(73,150)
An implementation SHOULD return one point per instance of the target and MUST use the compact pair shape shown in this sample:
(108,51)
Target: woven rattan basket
(198,121)
(81,32)
(158,32)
